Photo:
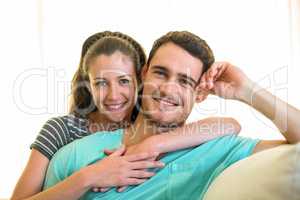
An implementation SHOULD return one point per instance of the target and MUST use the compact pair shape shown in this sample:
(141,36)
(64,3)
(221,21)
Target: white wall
(40,45)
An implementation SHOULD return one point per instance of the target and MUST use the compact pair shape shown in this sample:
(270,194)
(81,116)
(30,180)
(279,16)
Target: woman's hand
(225,80)
(145,146)
(122,170)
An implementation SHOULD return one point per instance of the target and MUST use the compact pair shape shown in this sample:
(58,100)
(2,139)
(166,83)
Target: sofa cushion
(271,174)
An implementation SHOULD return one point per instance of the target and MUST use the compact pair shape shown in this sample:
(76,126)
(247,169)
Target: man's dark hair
(190,42)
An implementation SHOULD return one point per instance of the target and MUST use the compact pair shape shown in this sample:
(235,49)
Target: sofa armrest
(272,174)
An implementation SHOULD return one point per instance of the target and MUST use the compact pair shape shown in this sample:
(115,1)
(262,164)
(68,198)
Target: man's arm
(228,81)
(283,115)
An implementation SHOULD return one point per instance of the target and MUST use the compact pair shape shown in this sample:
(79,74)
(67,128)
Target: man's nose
(169,87)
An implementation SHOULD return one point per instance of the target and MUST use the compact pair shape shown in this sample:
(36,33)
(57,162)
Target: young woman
(104,94)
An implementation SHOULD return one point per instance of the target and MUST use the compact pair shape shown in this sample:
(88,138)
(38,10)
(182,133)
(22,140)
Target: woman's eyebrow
(121,76)
(125,75)
(97,78)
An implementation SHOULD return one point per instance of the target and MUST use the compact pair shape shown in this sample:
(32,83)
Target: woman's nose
(113,92)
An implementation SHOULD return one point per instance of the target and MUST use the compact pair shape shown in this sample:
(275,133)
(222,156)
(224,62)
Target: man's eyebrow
(159,67)
(188,78)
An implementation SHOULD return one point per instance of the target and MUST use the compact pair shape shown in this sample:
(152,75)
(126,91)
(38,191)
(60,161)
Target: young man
(171,87)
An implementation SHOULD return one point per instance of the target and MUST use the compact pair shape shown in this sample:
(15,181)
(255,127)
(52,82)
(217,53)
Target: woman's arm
(30,184)
(195,133)
(114,170)
(31,180)
(190,135)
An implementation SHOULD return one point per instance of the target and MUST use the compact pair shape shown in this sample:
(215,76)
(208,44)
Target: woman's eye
(124,81)
(160,73)
(101,83)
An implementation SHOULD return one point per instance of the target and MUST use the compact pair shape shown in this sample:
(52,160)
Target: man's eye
(124,81)
(101,83)
(185,82)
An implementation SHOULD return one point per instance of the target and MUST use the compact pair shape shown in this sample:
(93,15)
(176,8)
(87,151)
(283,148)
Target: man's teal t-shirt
(187,174)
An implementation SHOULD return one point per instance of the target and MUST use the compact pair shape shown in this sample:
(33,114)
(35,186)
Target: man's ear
(201,94)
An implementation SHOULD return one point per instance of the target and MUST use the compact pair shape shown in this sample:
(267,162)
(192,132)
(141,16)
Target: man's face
(169,85)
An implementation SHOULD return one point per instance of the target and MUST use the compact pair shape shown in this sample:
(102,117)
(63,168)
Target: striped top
(59,131)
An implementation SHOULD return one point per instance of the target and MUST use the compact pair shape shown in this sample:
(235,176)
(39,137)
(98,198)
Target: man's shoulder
(229,145)
(101,138)
(90,144)
(232,139)
(86,150)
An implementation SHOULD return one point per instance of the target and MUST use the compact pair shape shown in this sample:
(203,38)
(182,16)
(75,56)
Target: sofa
(272,174)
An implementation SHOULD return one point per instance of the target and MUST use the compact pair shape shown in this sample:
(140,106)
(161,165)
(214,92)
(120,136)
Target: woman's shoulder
(69,121)
(69,126)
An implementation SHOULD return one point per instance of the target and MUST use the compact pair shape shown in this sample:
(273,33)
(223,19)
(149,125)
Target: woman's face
(113,86)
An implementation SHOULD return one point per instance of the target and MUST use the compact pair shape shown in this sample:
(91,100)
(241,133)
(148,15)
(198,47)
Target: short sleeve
(52,136)
(238,148)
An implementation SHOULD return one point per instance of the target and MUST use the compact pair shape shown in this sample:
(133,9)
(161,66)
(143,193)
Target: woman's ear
(201,94)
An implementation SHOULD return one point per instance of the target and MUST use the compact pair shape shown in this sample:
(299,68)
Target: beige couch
(269,175)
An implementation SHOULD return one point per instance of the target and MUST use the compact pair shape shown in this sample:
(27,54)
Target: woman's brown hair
(81,102)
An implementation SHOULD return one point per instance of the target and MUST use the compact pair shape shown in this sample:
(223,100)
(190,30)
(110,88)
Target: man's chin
(164,123)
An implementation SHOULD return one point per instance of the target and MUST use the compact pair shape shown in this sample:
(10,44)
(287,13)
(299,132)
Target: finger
(121,189)
(210,75)
(141,156)
(146,164)
(95,189)
(213,74)
(221,70)
(202,84)
(104,189)
(108,151)
(120,151)
(134,181)
(206,78)
(141,174)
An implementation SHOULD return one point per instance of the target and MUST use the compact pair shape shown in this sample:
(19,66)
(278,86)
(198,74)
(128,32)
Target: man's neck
(144,128)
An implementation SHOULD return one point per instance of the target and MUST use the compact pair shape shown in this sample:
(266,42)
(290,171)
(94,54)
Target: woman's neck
(98,122)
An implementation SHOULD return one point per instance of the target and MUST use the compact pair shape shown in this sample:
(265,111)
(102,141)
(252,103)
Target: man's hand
(226,81)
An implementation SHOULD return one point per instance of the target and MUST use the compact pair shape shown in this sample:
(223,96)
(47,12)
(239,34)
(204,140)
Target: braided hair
(106,42)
